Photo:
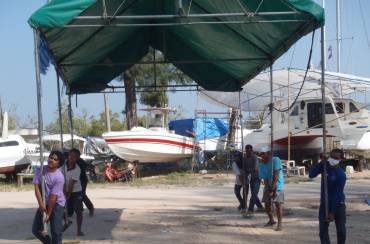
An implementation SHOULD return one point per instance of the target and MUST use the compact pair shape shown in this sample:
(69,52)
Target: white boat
(13,150)
(347,120)
(13,155)
(52,142)
(347,125)
(153,145)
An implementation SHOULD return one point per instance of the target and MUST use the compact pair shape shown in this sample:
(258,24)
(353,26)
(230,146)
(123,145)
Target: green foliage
(159,75)
(85,125)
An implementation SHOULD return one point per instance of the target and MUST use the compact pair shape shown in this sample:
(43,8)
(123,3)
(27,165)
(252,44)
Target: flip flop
(270,223)
(66,225)
(279,228)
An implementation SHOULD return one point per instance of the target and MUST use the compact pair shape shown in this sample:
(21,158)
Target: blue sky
(17,74)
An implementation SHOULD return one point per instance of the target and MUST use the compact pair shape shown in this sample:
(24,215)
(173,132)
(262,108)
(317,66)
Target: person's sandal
(91,212)
(80,233)
(279,227)
(270,223)
(66,225)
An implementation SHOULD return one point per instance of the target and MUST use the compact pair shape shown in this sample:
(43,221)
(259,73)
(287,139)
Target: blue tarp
(207,128)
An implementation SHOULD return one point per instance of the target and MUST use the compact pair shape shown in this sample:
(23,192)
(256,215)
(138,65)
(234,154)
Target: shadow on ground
(16,225)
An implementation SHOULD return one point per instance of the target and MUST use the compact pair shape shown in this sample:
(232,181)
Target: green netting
(226,55)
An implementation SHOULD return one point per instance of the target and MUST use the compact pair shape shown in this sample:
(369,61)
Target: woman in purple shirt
(54,209)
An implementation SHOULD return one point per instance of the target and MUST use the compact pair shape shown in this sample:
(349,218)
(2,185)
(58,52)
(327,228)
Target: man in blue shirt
(271,172)
(336,179)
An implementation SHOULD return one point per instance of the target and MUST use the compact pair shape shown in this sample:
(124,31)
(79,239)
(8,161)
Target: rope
(304,79)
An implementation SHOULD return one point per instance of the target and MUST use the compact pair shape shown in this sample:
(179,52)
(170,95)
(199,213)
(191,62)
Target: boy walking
(73,189)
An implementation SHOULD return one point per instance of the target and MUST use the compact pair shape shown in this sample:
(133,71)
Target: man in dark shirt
(336,180)
(82,164)
(251,168)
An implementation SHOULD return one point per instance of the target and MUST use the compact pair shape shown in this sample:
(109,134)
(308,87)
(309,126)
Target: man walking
(271,172)
(55,201)
(73,189)
(83,177)
(336,180)
(252,169)
(237,165)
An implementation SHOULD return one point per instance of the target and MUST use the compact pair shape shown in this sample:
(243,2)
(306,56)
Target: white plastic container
(349,169)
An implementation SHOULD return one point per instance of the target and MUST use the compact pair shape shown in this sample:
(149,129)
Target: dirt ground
(202,213)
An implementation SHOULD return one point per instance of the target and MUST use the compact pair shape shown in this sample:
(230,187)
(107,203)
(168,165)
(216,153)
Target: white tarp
(256,93)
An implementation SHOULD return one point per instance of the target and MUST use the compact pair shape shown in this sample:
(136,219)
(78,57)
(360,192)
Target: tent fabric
(220,57)
(204,128)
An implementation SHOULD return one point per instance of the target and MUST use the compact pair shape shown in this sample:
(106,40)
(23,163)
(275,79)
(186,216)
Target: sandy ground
(197,214)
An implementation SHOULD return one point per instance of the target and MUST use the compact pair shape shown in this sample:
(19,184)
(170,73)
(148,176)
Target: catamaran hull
(14,166)
(149,147)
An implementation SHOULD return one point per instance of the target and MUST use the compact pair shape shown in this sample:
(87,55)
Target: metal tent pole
(70,118)
(323,67)
(289,138)
(60,113)
(39,116)
(271,112)
(242,149)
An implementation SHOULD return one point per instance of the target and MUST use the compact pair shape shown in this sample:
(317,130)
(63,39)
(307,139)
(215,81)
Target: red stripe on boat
(116,140)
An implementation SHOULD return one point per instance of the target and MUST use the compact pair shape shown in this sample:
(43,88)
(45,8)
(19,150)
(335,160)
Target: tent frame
(249,19)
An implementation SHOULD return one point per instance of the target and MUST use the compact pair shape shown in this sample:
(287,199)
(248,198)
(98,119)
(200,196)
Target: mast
(339,38)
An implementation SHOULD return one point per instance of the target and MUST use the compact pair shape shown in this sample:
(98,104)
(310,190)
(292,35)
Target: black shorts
(74,203)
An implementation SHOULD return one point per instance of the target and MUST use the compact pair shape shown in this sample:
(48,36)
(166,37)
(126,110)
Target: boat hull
(148,146)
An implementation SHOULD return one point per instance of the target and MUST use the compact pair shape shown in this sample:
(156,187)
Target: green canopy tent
(220,44)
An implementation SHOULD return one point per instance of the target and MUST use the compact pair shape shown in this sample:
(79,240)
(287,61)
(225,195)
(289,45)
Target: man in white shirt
(73,188)
(237,166)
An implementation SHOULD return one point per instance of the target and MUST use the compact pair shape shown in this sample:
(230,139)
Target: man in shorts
(271,172)
(73,189)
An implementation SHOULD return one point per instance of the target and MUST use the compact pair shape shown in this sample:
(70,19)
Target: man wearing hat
(271,172)
(336,180)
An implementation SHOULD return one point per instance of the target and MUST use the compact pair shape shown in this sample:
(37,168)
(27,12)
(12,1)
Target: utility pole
(107,113)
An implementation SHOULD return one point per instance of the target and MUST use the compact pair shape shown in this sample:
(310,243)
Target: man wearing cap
(336,180)
(271,172)
(251,168)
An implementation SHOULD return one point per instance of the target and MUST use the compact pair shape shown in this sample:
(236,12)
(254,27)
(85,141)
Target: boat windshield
(156,121)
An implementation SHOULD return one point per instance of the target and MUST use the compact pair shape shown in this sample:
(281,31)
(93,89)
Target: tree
(84,125)
(154,79)
(30,122)
(130,105)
